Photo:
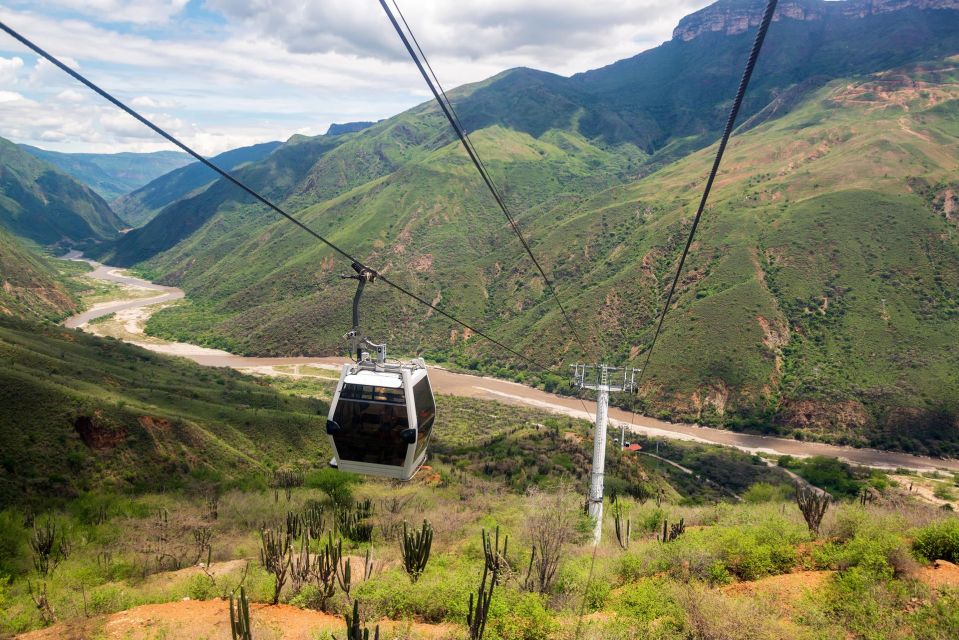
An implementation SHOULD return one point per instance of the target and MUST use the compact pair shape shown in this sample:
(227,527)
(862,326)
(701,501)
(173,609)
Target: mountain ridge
(112,175)
(733,17)
(43,204)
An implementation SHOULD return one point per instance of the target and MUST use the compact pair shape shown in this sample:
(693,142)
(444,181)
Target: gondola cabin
(381,418)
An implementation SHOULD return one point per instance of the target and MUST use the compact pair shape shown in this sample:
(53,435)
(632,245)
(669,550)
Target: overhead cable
(727,132)
(249,190)
(426,70)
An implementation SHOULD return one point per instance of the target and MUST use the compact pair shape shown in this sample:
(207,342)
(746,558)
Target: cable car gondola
(382,413)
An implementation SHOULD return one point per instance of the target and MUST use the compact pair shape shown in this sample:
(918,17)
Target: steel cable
(249,190)
(447,107)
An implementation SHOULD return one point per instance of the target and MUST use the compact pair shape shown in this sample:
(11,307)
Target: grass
(865,566)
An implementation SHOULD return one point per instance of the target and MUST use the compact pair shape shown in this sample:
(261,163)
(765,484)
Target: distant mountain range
(821,298)
(140,205)
(112,175)
(40,202)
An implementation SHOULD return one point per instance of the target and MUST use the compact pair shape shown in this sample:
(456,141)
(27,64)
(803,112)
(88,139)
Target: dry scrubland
(746,570)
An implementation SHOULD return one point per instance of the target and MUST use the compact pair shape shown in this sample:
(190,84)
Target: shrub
(764,492)
(440,595)
(874,549)
(526,618)
(200,587)
(335,484)
(647,603)
(939,541)
(12,546)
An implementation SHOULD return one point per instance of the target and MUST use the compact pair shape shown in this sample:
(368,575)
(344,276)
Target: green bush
(335,484)
(440,595)
(873,549)
(525,618)
(939,541)
(648,602)
(201,587)
(12,543)
(764,492)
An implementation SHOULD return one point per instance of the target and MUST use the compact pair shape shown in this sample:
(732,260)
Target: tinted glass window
(370,430)
(425,413)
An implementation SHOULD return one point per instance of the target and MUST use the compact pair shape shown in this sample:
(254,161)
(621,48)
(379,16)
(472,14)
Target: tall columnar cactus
(495,560)
(354,631)
(50,547)
(622,522)
(353,521)
(294,525)
(275,556)
(416,549)
(671,532)
(324,570)
(240,627)
(313,520)
(813,503)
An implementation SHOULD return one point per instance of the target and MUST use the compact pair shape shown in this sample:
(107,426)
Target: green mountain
(112,175)
(140,206)
(820,298)
(43,204)
(83,413)
(30,287)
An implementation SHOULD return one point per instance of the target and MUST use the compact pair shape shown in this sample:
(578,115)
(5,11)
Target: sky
(222,74)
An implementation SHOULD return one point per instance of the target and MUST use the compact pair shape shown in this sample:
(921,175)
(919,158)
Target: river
(458,384)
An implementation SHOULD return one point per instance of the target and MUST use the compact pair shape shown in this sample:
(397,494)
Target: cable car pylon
(602,379)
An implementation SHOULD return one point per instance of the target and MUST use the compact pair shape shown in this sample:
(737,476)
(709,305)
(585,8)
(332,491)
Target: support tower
(602,379)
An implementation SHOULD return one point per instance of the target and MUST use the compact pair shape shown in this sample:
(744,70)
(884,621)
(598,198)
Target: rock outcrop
(733,17)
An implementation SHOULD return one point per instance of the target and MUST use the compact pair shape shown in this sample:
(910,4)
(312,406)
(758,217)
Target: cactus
(495,560)
(313,520)
(813,503)
(353,521)
(368,564)
(622,522)
(275,556)
(301,565)
(324,570)
(49,545)
(286,480)
(353,629)
(671,532)
(240,618)
(416,549)
(294,525)
(344,573)
(213,505)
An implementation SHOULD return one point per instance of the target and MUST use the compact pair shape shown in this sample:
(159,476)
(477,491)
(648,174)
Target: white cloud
(275,67)
(9,70)
(72,95)
(123,11)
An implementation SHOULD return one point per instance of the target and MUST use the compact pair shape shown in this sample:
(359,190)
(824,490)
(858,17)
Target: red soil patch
(787,589)
(209,619)
(939,574)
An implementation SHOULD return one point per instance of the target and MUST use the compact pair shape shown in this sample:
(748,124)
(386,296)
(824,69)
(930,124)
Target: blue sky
(227,73)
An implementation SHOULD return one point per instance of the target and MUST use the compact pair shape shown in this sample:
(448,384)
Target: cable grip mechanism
(360,345)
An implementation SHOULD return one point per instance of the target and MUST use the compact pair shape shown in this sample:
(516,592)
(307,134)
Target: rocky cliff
(733,17)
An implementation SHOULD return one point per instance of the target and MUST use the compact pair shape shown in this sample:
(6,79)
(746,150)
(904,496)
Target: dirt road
(457,384)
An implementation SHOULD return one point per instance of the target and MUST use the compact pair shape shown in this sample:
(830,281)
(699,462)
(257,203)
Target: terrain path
(463,385)
(210,619)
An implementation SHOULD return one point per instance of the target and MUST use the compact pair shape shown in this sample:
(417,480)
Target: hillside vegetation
(32,286)
(45,205)
(819,301)
(112,175)
(82,413)
(139,206)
